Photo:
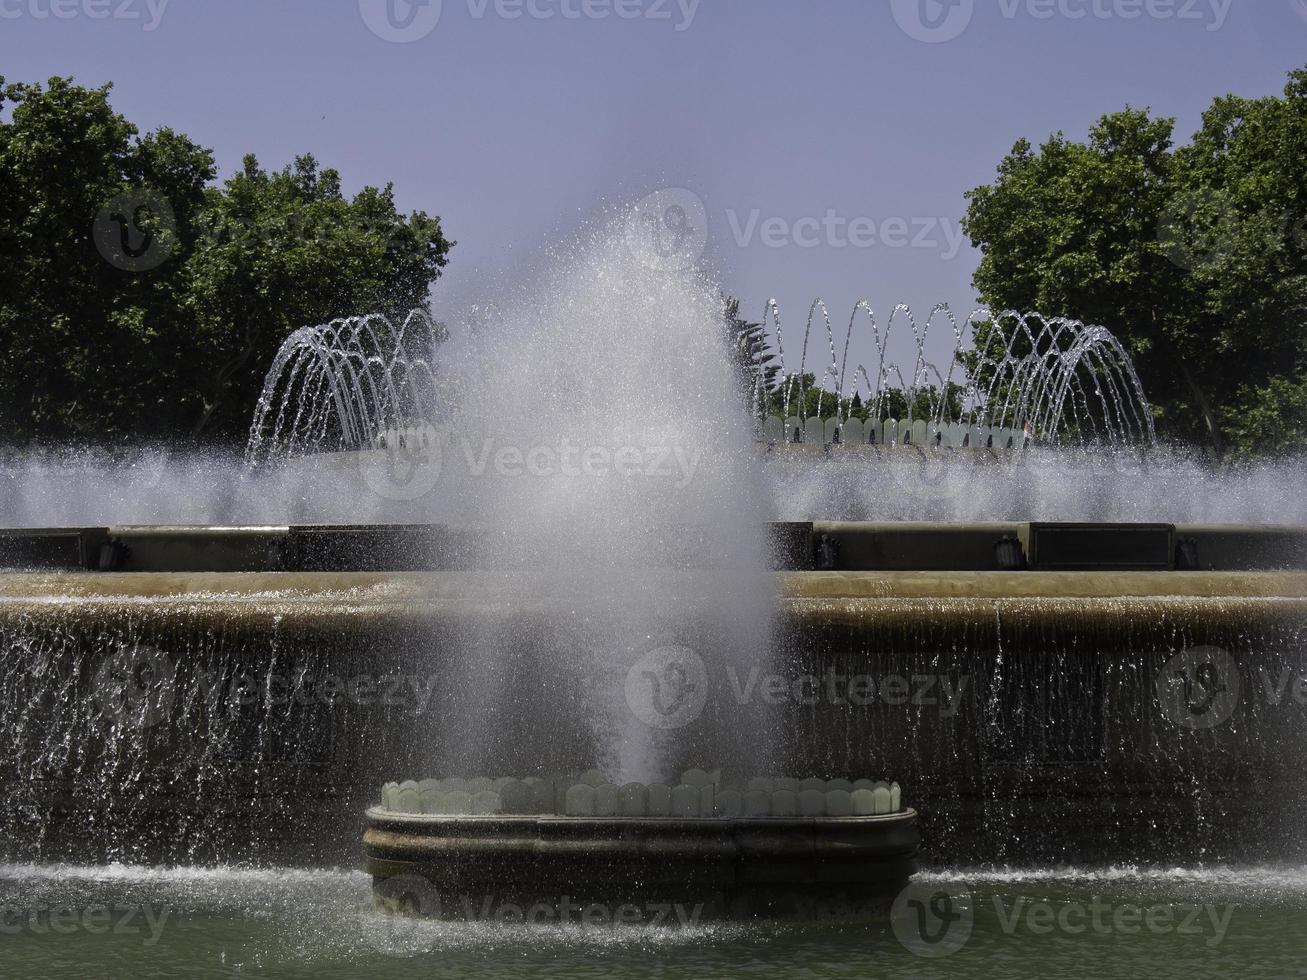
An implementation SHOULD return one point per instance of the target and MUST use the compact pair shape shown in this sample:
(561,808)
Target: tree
(139,300)
(784,401)
(1240,229)
(1194,257)
(286,249)
(84,347)
(751,355)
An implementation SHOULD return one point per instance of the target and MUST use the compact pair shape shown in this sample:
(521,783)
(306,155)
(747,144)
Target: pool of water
(58,921)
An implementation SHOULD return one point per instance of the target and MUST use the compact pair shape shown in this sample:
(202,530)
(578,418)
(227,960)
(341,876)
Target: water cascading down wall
(1029,715)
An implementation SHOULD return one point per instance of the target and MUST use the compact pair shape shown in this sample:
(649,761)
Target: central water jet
(578,420)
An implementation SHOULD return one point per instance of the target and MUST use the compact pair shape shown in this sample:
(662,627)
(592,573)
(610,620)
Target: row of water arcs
(357,383)
(1054,376)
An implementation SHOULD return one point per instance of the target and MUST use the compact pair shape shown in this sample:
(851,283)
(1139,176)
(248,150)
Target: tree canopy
(1195,257)
(141,299)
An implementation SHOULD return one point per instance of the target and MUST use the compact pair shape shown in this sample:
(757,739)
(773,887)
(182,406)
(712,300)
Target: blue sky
(794,122)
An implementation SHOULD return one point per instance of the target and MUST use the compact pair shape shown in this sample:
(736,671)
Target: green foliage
(84,348)
(818,402)
(784,400)
(281,250)
(1195,257)
(751,356)
(101,346)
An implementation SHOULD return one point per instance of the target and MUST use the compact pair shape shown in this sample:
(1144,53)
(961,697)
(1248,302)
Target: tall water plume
(639,526)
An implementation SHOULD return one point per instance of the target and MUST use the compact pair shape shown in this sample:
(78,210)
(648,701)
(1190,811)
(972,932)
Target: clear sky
(790,119)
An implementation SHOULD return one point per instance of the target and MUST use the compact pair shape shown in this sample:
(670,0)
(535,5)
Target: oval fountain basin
(800,867)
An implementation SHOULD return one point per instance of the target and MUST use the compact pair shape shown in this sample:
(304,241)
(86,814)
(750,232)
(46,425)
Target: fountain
(343,384)
(769,847)
(650,582)
(1023,377)
(535,559)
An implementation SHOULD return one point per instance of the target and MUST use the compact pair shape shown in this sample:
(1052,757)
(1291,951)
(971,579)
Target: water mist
(628,532)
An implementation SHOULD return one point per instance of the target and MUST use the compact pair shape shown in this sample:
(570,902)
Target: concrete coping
(383,817)
(698,796)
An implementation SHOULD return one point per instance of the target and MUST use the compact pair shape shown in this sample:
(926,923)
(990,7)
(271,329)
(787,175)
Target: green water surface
(196,923)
